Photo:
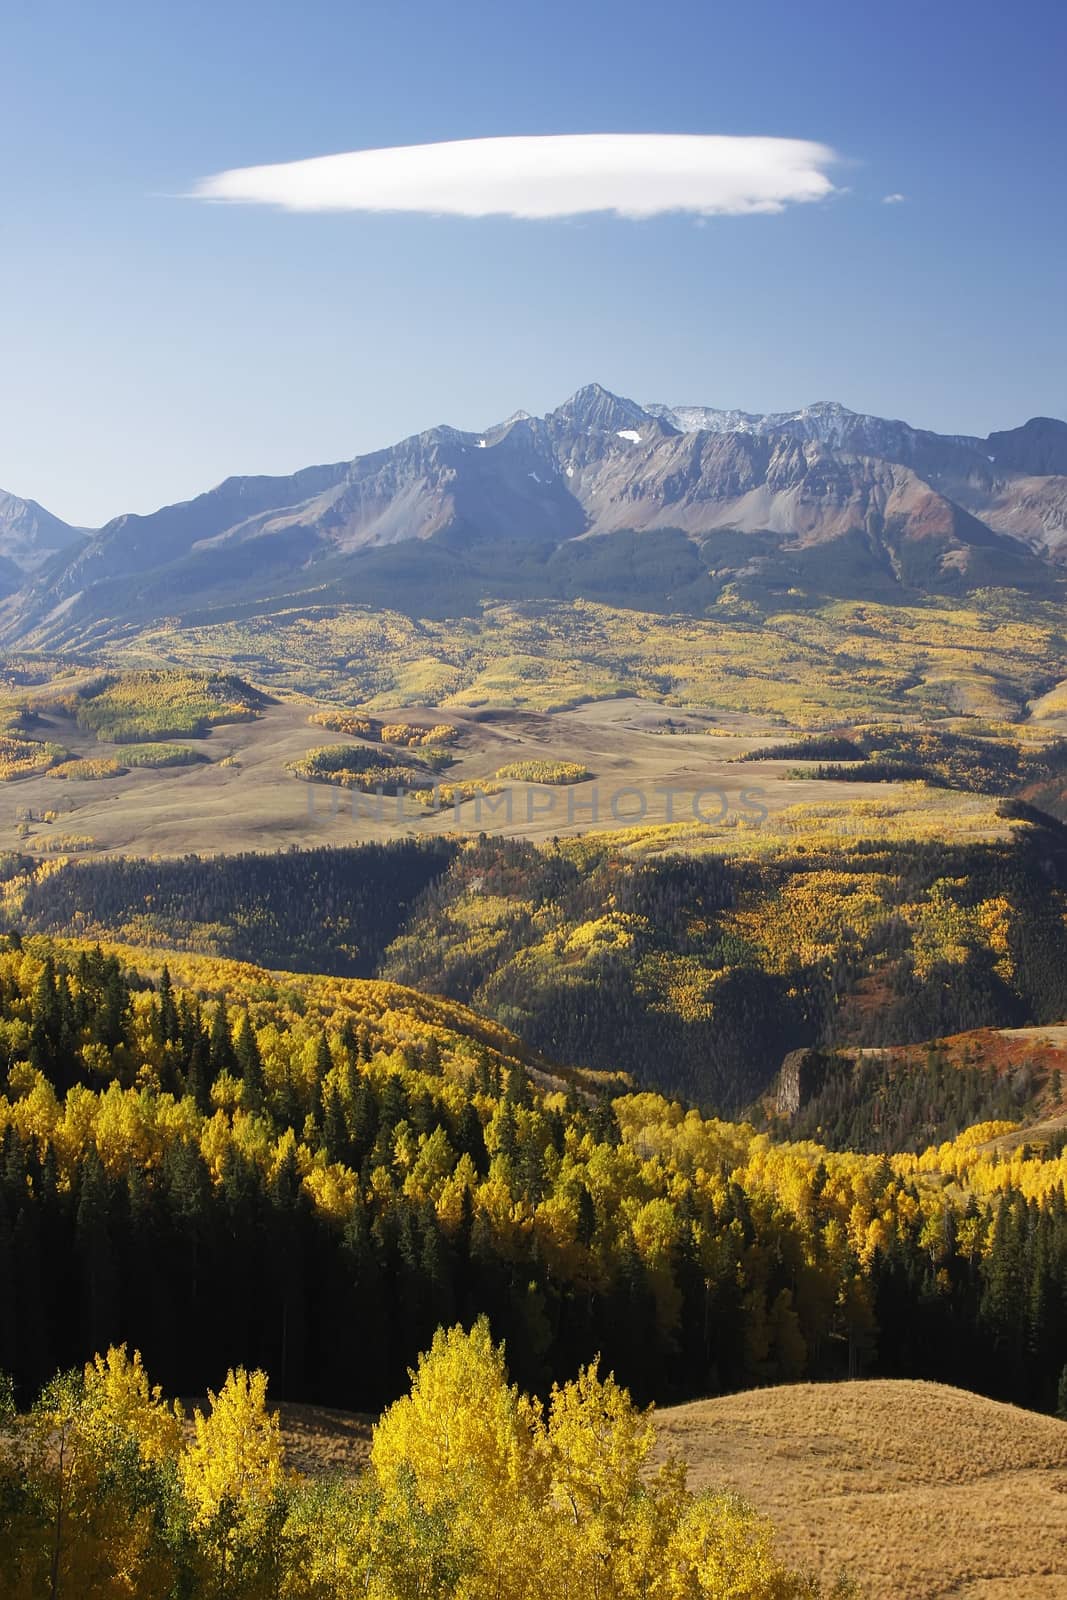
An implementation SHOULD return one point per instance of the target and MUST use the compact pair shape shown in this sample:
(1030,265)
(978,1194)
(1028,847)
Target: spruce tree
(334,1131)
(323,1068)
(249,1065)
(96,1257)
(169,1030)
(222,1057)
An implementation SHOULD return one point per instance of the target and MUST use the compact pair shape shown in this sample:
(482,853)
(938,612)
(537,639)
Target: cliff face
(801,1077)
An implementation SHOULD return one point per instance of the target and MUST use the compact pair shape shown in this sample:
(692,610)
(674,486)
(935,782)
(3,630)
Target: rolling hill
(922,1489)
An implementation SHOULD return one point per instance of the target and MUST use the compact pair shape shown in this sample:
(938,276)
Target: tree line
(696,975)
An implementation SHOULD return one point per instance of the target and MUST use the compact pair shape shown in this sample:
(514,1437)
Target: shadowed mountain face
(651,505)
(30,537)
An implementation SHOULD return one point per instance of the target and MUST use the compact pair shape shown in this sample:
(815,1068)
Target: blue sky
(152,344)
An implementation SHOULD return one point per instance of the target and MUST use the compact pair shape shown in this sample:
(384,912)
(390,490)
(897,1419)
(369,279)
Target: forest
(947,760)
(696,974)
(221,1167)
(326,910)
(890,1105)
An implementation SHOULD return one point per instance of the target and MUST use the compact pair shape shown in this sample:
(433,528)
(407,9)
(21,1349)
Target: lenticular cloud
(560,175)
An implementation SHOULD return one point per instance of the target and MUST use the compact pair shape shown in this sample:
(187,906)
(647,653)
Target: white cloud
(560,175)
(893,199)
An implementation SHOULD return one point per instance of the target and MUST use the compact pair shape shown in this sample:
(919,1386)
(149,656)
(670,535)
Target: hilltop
(923,1489)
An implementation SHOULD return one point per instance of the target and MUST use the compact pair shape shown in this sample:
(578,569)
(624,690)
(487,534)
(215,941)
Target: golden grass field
(319,1442)
(917,1490)
(241,797)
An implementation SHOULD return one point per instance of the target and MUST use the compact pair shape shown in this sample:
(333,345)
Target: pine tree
(334,1131)
(198,1074)
(169,1027)
(469,1138)
(393,1107)
(96,1255)
(506,1130)
(517,1088)
(363,1119)
(323,1068)
(585,1232)
(249,1064)
(113,1017)
(531,1171)
(222,1058)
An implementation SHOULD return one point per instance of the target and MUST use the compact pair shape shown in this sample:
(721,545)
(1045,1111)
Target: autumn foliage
(474,1491)
(226,1166)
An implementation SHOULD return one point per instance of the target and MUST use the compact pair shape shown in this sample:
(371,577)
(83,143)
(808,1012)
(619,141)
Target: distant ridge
(649,505)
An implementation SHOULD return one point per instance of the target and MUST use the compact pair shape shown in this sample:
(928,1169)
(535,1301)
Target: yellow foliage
(235,1460)
(89,768)
(463,1430)
(361,726)
(118,1390)
(25,758)
(550,772)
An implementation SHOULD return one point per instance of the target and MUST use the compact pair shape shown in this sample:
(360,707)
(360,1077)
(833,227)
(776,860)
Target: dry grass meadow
(916,1489)
(241,796)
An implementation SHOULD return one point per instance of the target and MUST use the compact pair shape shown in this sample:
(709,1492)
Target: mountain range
(656,505)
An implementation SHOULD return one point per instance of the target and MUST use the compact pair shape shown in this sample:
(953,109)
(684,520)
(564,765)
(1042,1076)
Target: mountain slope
(1015,480)
(827,499)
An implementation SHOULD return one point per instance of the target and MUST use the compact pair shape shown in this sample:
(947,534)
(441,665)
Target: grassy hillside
(921,770)
(919,1489)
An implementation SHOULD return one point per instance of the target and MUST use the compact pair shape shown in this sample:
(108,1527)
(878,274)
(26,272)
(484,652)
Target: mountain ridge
(823,498)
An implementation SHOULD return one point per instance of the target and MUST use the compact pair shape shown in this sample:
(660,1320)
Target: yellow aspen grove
(232,1476)
(471,1493)
(83,1485)
(463,1430)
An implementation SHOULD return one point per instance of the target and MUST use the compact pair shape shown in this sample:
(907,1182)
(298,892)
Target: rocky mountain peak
(594,409)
